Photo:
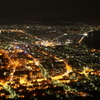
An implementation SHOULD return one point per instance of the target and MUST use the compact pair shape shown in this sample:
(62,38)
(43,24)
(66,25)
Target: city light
(38,63)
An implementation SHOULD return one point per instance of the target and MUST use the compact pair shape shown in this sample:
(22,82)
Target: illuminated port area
(39,62)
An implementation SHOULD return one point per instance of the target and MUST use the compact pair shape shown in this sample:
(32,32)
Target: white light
(17,47)
(65,33)
(85,34)
(25,51)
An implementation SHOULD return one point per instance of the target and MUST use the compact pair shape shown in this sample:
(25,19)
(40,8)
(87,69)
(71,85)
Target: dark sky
(74,10)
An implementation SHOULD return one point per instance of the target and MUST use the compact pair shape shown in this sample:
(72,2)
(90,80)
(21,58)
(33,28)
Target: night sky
(63,10)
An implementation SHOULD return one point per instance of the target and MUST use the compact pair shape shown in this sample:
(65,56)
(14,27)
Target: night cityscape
(49,50)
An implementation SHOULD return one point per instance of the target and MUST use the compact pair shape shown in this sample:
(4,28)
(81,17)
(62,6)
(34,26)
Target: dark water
(94,39)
